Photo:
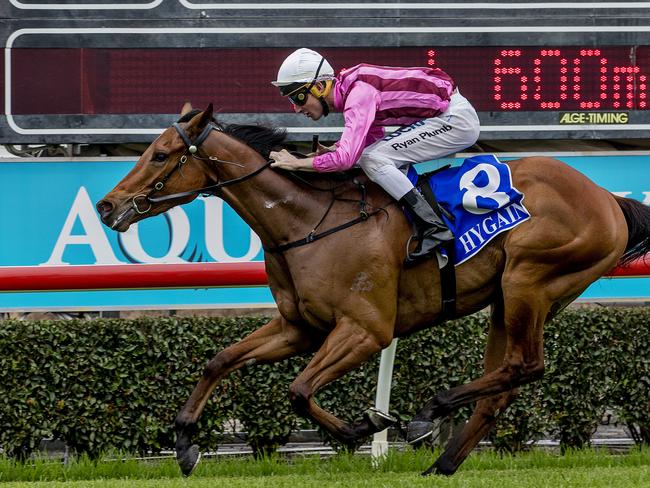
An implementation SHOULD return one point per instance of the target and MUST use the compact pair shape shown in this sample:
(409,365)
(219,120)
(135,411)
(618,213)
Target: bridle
(191,150)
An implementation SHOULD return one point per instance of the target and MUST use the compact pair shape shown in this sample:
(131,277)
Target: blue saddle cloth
(480,197)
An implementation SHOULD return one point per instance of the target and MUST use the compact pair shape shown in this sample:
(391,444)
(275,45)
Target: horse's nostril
(104,208)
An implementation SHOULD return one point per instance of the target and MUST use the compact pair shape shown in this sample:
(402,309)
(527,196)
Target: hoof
(187,460)
(378,419)
(440,469)
(418,430)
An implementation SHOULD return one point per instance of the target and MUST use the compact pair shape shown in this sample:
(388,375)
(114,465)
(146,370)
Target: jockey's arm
(359,116)
(285,160)
(322,149)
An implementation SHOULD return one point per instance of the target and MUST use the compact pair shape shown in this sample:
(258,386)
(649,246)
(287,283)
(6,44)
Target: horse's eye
(159,157)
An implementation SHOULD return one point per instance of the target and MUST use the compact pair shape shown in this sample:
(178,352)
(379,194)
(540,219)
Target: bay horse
(335,258)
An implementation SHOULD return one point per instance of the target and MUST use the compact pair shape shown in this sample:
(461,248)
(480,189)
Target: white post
(382,401)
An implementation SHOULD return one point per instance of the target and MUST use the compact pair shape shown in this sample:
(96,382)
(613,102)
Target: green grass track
(538,469)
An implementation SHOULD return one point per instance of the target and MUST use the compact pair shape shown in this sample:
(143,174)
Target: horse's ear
(206,116)
(200,120)
(187,108)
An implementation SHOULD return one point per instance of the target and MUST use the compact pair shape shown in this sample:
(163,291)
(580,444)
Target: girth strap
(448,272)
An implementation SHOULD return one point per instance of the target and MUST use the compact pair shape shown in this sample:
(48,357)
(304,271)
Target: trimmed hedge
(118,384)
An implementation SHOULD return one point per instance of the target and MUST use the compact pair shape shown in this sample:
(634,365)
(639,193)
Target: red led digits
(643,104)
(499,72)
(119,81)
(594,66)
(566,79)
(431,55)
(624,80)
(545,71)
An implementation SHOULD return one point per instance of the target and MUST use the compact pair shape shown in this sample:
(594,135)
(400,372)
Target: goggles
(299,97)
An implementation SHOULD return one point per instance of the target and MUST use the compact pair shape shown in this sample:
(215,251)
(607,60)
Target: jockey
(435,120)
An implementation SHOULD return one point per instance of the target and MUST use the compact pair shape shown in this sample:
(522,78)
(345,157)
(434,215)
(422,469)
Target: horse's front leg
(275,341)
(347,347)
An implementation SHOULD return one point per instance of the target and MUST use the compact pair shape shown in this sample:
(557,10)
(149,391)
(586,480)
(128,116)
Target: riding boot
(430,228)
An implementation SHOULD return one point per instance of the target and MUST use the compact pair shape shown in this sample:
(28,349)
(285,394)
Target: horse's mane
(261,139)
(264,140)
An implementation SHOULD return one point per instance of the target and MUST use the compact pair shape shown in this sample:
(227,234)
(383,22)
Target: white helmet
(301,67)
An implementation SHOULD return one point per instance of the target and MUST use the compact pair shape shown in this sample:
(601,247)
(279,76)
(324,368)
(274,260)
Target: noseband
(192,148)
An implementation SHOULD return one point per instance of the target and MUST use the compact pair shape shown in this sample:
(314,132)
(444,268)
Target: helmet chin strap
(326,108)
(321,94)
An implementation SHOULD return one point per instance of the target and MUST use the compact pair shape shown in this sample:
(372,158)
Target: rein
(212,189)
(312,236)
(192,149)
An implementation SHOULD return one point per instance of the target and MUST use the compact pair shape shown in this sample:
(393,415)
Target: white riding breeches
(454,130)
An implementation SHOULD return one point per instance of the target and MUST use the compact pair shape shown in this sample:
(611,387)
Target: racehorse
(334,253)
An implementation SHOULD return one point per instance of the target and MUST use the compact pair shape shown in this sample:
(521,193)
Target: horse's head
(168,166)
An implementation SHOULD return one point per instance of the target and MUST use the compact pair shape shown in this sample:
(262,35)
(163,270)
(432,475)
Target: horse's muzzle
(107,211)
(104,208)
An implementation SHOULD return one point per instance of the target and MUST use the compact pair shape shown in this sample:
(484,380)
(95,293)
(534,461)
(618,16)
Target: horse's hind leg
(523,363)
(477,427)
(276,340)
(485,414)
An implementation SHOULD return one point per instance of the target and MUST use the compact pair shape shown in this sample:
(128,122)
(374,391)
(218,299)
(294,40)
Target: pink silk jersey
(374,96)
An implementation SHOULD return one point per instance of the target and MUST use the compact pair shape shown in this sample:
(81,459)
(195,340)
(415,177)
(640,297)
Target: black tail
(637,216)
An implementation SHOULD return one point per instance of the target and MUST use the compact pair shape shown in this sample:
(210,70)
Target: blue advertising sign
(48,213)
(48,209)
